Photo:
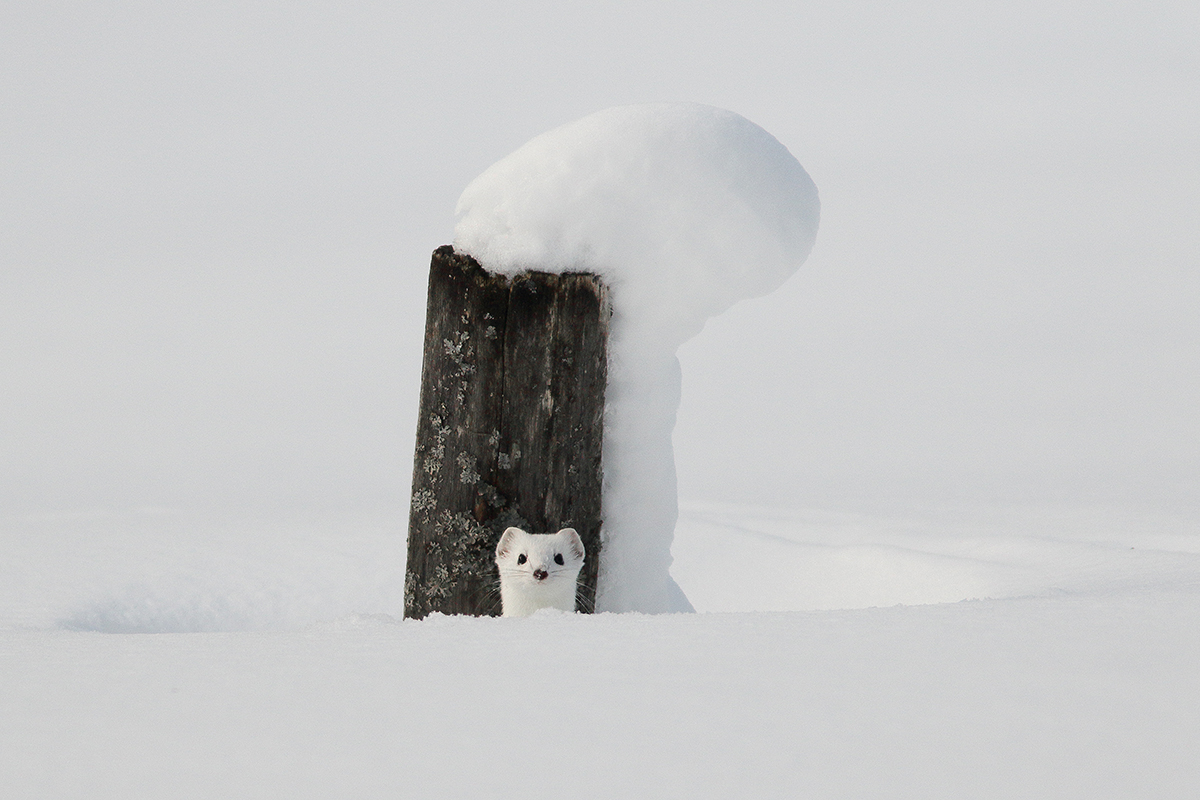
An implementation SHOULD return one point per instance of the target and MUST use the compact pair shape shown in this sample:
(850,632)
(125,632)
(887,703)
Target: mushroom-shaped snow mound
(683,209)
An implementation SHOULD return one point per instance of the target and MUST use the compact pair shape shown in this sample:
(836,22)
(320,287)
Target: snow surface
(684,209)
(217,221)
(279,665)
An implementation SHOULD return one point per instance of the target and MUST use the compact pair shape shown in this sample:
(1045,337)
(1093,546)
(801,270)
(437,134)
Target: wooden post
(510,429)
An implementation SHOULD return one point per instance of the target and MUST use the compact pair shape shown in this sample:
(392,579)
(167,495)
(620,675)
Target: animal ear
(507,540)
(573,541)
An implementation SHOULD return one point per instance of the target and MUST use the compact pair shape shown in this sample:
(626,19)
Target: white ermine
(538,570)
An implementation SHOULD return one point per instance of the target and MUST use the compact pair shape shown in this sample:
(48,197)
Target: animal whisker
(538,570)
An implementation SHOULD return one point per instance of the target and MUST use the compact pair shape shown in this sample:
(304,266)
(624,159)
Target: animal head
(539,558)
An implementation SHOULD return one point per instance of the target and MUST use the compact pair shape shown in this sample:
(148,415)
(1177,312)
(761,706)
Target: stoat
(538,570)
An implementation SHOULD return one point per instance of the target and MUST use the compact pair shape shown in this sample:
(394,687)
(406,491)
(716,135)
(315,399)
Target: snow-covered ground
(170,571)
(1092,696)
(280,666)
(977,400)
(733,558)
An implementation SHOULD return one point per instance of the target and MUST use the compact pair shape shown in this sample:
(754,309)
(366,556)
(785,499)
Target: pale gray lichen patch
(432,463)
(459,352)
(508,460)
(468,470)
(440,585)
(467,555)
(423,500)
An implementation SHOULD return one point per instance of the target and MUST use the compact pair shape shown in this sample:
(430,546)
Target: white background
(216,222)
(215,226)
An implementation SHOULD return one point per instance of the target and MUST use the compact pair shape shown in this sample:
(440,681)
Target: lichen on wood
(510,430)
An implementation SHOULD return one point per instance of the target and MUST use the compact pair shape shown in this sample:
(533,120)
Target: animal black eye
(521,558)
(558,559)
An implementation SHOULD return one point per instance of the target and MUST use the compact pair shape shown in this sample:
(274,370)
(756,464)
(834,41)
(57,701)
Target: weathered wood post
(510,430)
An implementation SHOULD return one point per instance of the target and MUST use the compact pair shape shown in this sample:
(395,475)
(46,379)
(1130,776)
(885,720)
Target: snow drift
(684,209)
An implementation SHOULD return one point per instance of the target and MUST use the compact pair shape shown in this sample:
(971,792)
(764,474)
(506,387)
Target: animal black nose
(540,574)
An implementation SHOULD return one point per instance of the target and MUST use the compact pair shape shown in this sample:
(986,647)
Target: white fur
(539,582)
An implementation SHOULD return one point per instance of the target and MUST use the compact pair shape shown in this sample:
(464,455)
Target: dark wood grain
(510,430)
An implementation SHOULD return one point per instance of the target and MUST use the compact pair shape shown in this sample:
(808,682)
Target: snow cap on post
(683,210)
